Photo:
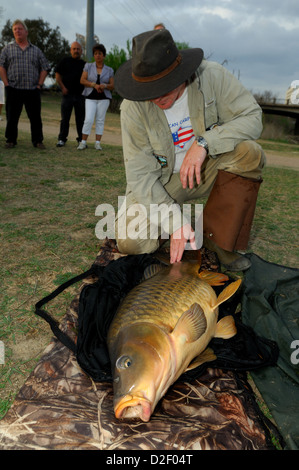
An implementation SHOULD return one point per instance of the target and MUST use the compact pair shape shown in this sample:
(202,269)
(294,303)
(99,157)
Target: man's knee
(251,150)
(247,159)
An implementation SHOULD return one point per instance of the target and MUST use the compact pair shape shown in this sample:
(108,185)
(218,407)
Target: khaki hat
(156,68)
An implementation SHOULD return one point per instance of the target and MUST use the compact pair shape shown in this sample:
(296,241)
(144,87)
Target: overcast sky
(258,39)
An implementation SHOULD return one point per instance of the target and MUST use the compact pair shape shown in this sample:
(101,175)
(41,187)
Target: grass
(280,146)
(47,234)
(47,231)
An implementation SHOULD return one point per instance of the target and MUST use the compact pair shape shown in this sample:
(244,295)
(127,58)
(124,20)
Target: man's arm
(239,115)
(61,84)
(191,165)
(44,68)
(3,75)
(42,77)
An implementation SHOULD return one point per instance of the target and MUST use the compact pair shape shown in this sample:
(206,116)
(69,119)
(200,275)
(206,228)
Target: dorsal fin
(212,278)
(227,292)
(191,325)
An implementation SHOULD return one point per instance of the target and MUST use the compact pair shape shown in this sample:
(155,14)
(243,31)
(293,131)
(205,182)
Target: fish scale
(164,298)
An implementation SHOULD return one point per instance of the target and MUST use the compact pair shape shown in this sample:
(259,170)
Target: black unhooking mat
(270,305)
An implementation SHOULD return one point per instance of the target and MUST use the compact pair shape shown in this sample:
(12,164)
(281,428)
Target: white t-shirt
(178,117)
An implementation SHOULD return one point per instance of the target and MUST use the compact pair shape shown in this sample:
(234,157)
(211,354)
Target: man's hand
(178,242)
(191,165)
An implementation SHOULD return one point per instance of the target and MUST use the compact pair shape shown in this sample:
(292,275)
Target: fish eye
(123,362)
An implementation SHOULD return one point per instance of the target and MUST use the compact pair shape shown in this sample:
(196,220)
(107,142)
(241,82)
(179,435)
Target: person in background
(159,26)
(23,69)
(2,98)
(188,131)
(68,75)
(98,80)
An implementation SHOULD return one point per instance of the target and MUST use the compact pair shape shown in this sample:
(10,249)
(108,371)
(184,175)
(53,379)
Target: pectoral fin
(225,328)
(191,325)
(206,356)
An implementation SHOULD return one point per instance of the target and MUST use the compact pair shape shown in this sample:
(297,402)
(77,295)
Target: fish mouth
(133,407)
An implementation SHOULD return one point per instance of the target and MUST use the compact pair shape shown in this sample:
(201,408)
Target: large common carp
(161,329)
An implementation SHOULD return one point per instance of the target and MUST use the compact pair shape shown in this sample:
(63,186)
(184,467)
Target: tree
(81,39)
(115,57)
(182,45)
(266,97)
(49,40)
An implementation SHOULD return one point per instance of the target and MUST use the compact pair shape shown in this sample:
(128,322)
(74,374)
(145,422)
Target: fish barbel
(160,330)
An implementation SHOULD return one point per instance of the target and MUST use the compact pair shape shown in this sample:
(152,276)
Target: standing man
(23,69)
(68,74)
(2,99)
(188,131)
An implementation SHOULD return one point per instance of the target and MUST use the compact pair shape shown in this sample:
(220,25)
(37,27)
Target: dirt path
(112,136)
(287,160)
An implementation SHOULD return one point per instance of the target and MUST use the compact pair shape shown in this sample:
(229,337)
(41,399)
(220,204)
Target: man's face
(76,51)
(166,101)
(19,32)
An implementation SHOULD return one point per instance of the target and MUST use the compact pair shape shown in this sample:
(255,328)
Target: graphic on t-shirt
(182,136)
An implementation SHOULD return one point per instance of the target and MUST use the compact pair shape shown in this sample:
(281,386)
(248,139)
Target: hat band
(162,74)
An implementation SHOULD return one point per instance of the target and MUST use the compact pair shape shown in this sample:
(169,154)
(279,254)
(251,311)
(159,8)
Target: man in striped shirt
(23,69)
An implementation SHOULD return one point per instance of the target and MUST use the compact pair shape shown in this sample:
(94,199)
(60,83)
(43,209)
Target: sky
(256,40)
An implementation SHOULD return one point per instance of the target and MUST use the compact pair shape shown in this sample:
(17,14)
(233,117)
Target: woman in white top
(98,80)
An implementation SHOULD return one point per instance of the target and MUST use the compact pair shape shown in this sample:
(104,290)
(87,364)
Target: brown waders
(228,216)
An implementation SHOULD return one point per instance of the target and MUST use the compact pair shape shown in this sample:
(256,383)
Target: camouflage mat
(61,408)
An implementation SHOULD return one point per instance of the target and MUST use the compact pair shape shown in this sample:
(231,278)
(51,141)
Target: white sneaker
(82,145)
(97,146)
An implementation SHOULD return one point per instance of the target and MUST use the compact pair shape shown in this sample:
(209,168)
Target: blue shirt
(107,73)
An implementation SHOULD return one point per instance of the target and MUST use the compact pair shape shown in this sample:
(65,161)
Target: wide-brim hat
(156,68)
